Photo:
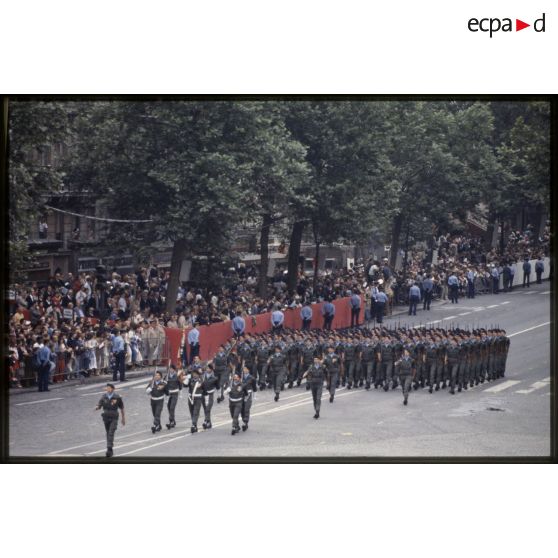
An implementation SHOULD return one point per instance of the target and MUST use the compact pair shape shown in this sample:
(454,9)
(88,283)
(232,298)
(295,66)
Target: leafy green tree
(341,200)
(33,127)
(193,168)
(438,159)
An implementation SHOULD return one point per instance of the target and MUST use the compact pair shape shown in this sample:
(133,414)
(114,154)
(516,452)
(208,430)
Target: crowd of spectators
(464,255)
(76,316)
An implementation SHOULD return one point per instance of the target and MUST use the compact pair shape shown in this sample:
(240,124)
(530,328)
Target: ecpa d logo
(492,25)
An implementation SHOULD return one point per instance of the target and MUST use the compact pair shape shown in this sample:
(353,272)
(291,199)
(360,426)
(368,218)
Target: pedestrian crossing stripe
(501,387)
(534,387)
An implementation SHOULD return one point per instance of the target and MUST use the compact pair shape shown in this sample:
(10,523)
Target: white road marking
(505,302)
(492,306)
(186,431)
(532,292)
(502,386)
(546,292)
(119,385)
(464,313)
(547,379)
(142,432)
(92,393)
(434,322)
(450,317)
(103,441)
(528,329)
(478,309)
(534,387)
(40,401)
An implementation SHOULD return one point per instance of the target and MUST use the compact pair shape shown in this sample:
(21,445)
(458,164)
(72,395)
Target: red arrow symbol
(519,25)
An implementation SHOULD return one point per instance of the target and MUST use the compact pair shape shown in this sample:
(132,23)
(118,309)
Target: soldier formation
(370,358)
(354,358)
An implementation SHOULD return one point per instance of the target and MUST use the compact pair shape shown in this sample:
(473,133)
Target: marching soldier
(209,385)
(262,355)
(387,350)
(367,356)
(349,360)
(421,376)
(111,403)
(222,371)
(431,363)
(173,387)
(236,396)
(477,357)
(407,372)
(195,395)
(277,362)
(332,365)
(307,353)
(156,389)
(245,354)
(293,353)
(453,354)
(249,388)
(315,377)
(505,340)
(442,368)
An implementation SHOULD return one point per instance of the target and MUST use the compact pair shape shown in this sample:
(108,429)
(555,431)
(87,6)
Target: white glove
(149,390)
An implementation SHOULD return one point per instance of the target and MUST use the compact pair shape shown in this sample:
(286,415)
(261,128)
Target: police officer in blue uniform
(527,273)
(453,284)
(414,299)
(380,306)
(428,290)
(354,303)
(238,325)
(306,316)
(328,312)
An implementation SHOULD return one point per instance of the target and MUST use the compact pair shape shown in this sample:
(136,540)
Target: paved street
(359,423)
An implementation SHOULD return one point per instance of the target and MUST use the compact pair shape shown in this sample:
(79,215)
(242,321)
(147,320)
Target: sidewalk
(105,378)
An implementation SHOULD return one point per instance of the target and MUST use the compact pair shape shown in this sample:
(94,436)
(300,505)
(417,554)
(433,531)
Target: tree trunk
(502,244)
(316,262)
(395,234)
(405,263)
(294,254)
(490,231)
(178,254)
(264,255)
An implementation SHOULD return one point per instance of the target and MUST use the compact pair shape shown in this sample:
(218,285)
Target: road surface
(509,417)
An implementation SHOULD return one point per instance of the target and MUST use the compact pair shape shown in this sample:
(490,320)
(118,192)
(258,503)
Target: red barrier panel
(174,338)
(211,336)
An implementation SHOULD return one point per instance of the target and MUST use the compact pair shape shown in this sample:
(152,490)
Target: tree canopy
(337,169)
